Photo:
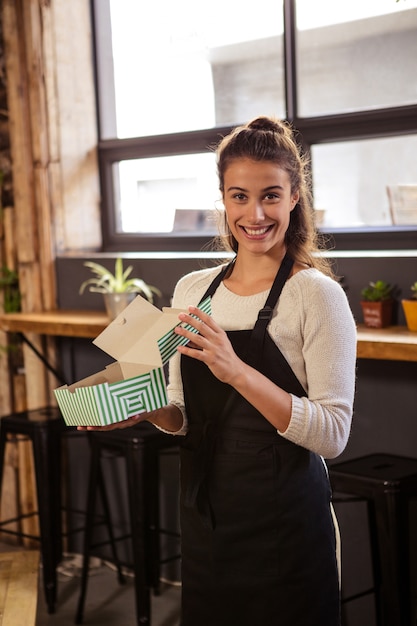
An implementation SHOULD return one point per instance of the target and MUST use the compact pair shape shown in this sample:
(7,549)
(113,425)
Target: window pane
(167,195)
(356,55)
(181,66)
(350,181)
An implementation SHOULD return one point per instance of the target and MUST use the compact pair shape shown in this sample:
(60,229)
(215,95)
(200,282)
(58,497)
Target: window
(348,198)
(355,55)
(170,194)
(180,66)
(172,80)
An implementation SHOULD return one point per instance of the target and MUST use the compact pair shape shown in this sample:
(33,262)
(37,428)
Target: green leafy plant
(377,291)
(414,291)
(119,282)
(9,283)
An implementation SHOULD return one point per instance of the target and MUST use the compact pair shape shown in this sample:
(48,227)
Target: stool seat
(140,447)
(44,428)
(387,482)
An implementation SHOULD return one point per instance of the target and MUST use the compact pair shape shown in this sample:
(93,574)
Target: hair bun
(265,123)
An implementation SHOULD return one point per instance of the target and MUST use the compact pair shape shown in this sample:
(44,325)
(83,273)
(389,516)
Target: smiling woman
(244,458)
(258,392)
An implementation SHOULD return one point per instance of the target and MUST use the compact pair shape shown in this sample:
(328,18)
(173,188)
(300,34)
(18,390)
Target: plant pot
(410,312)
(117,302)
(377,314)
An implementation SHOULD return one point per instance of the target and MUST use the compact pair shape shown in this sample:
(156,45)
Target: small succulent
(119,282)
(377,291)
(414,291)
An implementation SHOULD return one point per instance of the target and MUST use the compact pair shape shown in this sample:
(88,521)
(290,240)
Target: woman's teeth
(256,231)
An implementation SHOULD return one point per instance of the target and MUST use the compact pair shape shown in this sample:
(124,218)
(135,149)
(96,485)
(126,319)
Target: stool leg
(89,522)
(47,460)
(95,482)
(376,561)
(137,489)
(392,524)
(3,442)
(107,516)
(154,557)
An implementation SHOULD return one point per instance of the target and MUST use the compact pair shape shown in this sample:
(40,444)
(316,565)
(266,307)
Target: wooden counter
(394,343)
(61,323)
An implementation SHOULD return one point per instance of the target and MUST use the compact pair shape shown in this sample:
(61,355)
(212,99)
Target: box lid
(132,337)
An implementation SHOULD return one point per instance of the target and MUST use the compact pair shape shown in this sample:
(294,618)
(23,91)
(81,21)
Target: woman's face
(258,201)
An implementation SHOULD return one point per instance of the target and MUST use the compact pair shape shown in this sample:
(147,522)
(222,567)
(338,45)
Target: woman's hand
(168,417)
(210,345)
(130,421)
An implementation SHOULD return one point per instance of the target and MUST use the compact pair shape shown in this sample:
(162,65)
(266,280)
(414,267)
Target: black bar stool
(44,427)
(140,447)
(387,482)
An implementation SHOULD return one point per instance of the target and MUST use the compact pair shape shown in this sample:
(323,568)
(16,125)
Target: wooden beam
(20,130)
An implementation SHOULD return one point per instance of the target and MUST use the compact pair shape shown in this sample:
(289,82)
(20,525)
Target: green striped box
(108,403)
(169,343)
(142,339)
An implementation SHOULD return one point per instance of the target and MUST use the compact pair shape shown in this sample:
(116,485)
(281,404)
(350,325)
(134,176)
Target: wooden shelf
(394,343)
(62,323)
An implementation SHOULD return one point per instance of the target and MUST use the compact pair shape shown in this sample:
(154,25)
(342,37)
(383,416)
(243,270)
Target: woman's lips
(256,232)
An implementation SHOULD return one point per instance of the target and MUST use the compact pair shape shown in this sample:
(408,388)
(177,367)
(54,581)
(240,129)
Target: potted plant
(410,309)
(377,304)
(118,289)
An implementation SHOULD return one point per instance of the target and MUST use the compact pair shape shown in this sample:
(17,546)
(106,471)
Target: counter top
(60,322)
(395,343)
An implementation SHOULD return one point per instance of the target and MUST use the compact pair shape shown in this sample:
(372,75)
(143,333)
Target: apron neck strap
(265,314)
(217,280)
(257,338)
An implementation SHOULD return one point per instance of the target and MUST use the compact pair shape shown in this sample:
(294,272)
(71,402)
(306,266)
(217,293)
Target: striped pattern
(170,341)
(108,403)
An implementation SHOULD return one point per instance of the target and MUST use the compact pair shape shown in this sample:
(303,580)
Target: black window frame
(365,124)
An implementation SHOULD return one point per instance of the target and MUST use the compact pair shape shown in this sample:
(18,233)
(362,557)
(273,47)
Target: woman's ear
(294,199)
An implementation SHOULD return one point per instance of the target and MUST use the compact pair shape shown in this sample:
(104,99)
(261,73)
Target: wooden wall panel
(53,142)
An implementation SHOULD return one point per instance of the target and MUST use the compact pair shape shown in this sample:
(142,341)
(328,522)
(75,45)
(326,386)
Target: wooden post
(53,140)
(30,223)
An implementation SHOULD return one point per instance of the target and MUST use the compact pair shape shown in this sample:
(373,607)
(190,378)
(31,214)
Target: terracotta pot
(410,312)
(377,314)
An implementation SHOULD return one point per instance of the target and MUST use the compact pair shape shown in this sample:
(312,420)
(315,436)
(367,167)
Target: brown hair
(269,139)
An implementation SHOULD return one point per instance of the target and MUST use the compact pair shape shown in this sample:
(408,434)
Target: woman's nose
(256,212)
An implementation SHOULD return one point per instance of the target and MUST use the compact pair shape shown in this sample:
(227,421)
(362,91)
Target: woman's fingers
(198,320)
(130,421)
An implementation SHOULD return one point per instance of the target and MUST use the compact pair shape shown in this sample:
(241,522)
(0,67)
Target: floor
(108,602)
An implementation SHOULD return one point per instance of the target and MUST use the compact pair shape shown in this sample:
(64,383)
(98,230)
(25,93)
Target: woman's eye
(272,196)
(239,196)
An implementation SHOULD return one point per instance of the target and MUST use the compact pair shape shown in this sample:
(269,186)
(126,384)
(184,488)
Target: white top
(314,328)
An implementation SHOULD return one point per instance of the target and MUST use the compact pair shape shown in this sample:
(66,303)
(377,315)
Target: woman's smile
(256,232)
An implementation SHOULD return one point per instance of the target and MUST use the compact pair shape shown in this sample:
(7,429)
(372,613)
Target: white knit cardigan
(314,328)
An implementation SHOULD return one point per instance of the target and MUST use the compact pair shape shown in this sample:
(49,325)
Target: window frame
(364,124)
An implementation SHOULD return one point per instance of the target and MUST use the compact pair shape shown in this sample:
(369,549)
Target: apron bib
(258,540)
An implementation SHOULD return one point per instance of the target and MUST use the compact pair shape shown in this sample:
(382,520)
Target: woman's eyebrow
(234,188)
(280,187)
(269,188)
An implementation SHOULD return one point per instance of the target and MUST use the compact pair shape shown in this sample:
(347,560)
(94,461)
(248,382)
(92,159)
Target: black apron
(258,540)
